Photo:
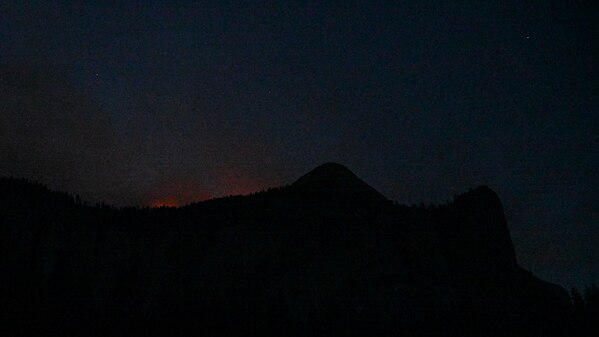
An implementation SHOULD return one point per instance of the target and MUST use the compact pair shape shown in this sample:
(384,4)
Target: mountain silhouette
(333,183)
(326,255)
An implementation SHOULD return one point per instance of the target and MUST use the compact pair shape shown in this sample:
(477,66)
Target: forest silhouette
(324,256)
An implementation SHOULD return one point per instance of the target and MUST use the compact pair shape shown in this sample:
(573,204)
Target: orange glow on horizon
(178,193)
(166,202)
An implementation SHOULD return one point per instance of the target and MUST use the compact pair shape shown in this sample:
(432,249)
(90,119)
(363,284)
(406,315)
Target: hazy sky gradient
(140,102)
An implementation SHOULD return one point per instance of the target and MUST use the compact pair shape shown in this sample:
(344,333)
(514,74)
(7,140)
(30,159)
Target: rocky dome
(337,181)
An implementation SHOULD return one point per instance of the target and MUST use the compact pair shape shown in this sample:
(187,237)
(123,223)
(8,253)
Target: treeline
(272,258)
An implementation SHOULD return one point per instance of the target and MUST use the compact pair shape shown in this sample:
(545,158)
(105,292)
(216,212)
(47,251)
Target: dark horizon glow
(143,103)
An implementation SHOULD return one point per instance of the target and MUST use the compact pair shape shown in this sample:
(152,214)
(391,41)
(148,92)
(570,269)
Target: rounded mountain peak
(335,180)
(328,171)
(480,195)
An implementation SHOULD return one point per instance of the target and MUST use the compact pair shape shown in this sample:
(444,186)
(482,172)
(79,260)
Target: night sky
(143,103)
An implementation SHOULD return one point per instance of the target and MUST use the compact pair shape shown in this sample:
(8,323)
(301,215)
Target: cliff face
(326,255)
(475,233)
(484,272)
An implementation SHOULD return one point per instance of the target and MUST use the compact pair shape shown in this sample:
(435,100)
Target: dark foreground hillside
(327,256)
